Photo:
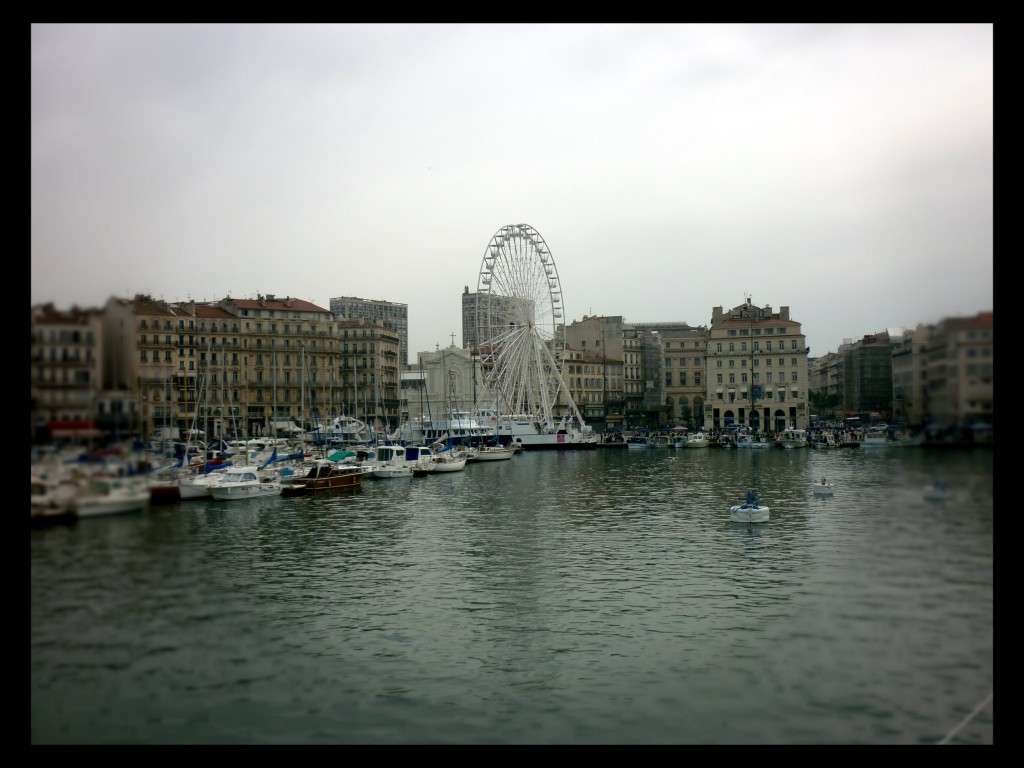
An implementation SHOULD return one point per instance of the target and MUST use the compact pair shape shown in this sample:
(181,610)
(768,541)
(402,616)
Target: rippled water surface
(555,598)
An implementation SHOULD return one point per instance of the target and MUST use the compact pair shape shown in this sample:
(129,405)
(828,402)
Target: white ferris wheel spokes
(519,323)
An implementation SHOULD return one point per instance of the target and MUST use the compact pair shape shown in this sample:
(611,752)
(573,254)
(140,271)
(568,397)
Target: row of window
(682,379)
(756,346)
(757,377)
(64,337)
(757,362)
(190,325)
(74,355)
(756,331)
(731,396)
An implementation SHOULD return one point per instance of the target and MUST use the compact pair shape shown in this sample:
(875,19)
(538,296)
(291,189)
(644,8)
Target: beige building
(958,392)
(675,385)
(757,370)
(66,371)
(593,369)
(240,366)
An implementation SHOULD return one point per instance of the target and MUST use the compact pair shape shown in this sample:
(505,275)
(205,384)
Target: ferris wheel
(519,323)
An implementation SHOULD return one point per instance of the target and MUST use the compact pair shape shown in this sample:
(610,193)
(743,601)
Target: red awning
(73,428)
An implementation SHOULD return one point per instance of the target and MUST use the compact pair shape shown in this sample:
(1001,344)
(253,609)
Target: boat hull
(493,454)
(388,473)
(88,507)
(441,464)
(745,513)
(558,442)
(333,482)
(232,491)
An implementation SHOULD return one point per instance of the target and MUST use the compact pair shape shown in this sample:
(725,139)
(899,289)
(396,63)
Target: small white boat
(750,511)
(821,489)
(197,486)
(396,461)
(492,453)
(936,491)
(876,438)
(826,440)
(793,438)
(111,496)
(52,501)
(696,440)
(637,441)
(748,442)
(245,483)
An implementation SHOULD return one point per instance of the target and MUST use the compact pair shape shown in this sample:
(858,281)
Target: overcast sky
(844,171)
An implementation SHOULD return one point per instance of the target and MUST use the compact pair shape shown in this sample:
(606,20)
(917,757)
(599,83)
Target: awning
(73,428)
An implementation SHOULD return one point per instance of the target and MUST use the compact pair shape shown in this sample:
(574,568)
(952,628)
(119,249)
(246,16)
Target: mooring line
(967,719)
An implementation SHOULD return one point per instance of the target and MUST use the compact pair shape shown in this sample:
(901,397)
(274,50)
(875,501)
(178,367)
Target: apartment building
(394,316)
(674,379)
(959,388)
(593,369)
(757,371)
(66,372)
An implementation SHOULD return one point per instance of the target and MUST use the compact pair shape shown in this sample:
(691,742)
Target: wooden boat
(325,475)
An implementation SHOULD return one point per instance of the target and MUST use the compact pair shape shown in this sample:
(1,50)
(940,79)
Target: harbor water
(577,597)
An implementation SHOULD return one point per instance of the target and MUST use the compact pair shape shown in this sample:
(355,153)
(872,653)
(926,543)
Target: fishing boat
(793,438)
(696,440)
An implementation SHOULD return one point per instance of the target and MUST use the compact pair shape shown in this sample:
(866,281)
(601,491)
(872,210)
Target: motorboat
(749,442)
(245,483)
(876,438)
(750,511)
(824,488)
(825,440)
(197,486)
(52,501)
(793,438)
(101,495)
(325,475)
(696,440)
(637,441)
(935,491)
(397,461)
